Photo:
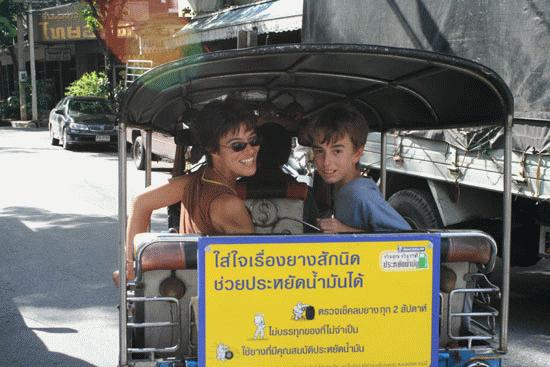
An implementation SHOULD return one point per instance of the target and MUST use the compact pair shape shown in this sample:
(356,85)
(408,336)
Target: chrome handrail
(175,325)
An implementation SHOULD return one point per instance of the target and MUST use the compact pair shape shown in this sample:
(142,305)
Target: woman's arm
(143,206)
(229,215)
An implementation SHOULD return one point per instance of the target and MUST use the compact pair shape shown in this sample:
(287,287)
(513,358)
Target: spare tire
(138,153)
(417,207)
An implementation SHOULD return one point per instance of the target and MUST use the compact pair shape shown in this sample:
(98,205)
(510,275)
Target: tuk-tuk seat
(464,262)
(471,251)
(466,249)
(275,207)
(165,255)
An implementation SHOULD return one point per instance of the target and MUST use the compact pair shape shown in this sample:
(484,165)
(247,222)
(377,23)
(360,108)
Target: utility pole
(22,77)
(21,62)
(30,27)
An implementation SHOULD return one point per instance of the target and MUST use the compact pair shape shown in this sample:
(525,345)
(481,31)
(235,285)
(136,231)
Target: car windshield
(90,106)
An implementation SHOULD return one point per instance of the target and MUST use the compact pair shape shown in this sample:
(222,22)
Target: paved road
(58,241)
(530,316)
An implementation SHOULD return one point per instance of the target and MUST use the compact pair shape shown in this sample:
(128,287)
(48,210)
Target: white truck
(454,178)
(434,183)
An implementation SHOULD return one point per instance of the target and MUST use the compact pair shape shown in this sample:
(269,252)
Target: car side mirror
(60,111)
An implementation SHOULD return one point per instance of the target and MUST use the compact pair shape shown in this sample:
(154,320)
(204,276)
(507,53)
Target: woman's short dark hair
(218,118)
(333,123)
(276,145)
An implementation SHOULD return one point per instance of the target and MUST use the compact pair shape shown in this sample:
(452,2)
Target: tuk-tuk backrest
(466,249)
(275,207)
(169,256)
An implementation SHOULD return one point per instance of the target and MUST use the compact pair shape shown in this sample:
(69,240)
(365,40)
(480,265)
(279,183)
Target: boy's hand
(330,225)
(333,225)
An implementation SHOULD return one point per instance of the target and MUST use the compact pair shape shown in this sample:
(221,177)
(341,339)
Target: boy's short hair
(333,123)
(218,118)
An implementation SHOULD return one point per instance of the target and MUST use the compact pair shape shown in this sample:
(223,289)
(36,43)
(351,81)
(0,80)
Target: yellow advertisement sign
(320,301)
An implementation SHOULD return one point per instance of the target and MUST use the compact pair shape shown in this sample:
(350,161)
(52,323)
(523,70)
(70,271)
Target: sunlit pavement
(58,226)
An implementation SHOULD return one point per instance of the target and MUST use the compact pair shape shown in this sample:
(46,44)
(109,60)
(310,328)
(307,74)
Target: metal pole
(506,240)
(148,156)
(122,315)
(60,69)
(21,68)
(33,66)
(383,150)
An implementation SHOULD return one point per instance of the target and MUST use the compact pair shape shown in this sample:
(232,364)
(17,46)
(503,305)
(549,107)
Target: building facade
(64,50)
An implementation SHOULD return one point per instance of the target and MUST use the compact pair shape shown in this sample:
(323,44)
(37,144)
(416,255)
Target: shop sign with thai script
(62,23)
(334,300)
(58,54)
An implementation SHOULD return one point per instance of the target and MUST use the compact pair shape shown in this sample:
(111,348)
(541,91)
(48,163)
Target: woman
(210,205)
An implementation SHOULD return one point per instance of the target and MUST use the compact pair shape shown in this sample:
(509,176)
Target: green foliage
(90,84)
(90,15)
(9,108)
(8,22)
(45,92)
(118,94)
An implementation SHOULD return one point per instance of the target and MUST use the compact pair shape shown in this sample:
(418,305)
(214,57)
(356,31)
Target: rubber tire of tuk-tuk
(417,207)
(138,153)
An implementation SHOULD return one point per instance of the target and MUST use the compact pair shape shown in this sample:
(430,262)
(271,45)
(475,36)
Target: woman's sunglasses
(239,146)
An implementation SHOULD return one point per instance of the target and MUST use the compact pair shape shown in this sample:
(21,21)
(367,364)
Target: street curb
(27,124)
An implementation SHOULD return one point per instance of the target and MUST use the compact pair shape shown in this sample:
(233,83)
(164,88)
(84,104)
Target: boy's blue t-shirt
(359,204)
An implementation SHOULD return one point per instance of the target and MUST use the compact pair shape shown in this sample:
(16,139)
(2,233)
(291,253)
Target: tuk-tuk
(420,298)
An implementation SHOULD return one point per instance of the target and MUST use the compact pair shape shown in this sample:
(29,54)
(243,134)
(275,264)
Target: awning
(265,17)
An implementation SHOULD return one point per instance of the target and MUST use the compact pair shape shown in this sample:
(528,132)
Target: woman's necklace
(204,179)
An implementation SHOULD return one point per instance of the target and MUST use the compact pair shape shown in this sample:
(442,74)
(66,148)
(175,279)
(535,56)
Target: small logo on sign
(404,259)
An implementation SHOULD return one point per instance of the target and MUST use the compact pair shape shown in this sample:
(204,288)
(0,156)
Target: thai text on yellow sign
(346,302)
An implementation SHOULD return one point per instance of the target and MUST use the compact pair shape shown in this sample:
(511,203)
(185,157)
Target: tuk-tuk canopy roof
(395,88)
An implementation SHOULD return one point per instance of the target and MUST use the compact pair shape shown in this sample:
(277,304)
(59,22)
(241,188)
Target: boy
(338,135)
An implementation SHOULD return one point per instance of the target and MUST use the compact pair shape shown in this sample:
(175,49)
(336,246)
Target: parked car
(82,120)
(163,146)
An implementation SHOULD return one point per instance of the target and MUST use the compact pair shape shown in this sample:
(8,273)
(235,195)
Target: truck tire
(138,153)
(417,207)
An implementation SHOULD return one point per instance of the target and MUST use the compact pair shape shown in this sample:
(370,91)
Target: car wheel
(66,145)
(53,141)
(138,153)
(417,207)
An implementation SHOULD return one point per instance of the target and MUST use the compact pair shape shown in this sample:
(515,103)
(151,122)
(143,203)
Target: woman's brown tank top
(204,187)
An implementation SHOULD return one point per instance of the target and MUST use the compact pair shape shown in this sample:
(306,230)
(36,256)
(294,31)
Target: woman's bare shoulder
(182,179)
(229,214)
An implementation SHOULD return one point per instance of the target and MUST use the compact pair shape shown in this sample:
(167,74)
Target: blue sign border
(434,238)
